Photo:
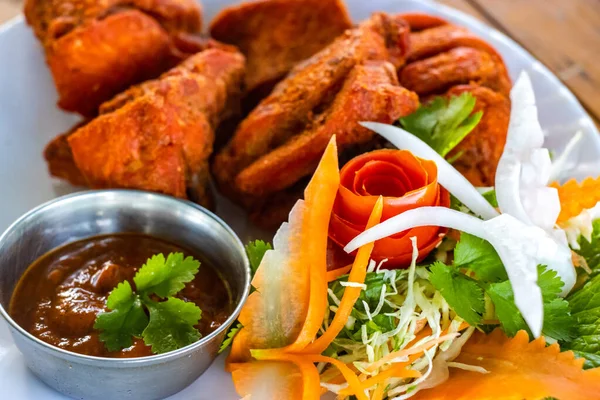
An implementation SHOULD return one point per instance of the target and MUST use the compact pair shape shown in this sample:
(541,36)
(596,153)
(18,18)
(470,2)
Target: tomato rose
(405,182)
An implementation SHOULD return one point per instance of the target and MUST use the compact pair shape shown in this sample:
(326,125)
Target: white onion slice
(521,248)
(525,168)
(448,176)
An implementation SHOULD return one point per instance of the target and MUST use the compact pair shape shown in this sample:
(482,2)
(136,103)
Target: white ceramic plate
(29,119)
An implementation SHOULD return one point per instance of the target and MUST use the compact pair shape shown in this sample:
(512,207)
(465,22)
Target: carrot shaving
(576,197)
(351,294)
(336,273)
(319,197)
(518,369)
(396,371)
(410,351)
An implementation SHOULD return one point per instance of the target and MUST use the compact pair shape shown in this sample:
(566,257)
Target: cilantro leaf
(256,251)
(558,321)
(462,293)
(230,335)
(171,325)
(479,256)
(550,283)
(127,318)
(165,278)
(507,312)
(443,123)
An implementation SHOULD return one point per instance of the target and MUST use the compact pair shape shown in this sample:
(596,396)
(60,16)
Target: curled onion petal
(525,167)
(521,248)
(448,177)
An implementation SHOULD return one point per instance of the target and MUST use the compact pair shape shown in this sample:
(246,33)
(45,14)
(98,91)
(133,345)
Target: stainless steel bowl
(86,214)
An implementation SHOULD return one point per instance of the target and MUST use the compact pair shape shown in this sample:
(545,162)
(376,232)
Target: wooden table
(563,34)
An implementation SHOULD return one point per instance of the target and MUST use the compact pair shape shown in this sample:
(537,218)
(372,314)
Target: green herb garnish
(171,321)
(443,123)
(477,274)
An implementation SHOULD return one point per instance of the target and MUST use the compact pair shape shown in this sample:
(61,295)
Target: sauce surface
(59,296)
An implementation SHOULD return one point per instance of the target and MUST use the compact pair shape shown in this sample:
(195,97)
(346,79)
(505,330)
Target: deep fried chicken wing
(95,49)
(158,135)
(482,148)
(277,34)
(280,142)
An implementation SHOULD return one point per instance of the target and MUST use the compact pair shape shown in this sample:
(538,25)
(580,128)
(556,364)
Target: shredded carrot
(576,197)
(351,294)
(410,351)
(349,375)
(336,273)
(378,393)
(395,371)
(346,371)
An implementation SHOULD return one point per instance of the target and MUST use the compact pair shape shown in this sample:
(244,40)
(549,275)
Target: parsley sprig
(163,321)
(443,123)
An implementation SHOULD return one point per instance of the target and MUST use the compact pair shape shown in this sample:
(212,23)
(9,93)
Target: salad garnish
(171,322)
(441,325)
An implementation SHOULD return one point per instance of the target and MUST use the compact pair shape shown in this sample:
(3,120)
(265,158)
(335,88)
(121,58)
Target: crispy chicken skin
(281,141)
(59,157)
(157,136)
(275,35)
(96,49)
(482,148)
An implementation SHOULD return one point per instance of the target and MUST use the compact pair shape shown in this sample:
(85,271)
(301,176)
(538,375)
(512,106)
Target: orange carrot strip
(407,352)
(336,273)
(346,371)
(378,393)
(319,197)
(396,371)
(351,294)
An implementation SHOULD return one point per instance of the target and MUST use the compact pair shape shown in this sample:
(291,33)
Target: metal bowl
(92,213)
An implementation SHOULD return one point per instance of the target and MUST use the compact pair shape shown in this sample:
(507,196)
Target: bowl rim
(131,361)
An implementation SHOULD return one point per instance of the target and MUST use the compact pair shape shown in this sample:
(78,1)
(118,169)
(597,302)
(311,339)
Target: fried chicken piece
(275,35)
(281,141)
(447,58)
(60,161)
(370,93)
(482,148)
(309,88)
(443,55)
(96,49)
(460,65)
(158,135)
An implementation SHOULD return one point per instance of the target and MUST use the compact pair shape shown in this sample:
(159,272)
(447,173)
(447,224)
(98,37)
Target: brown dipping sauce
(59,296)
